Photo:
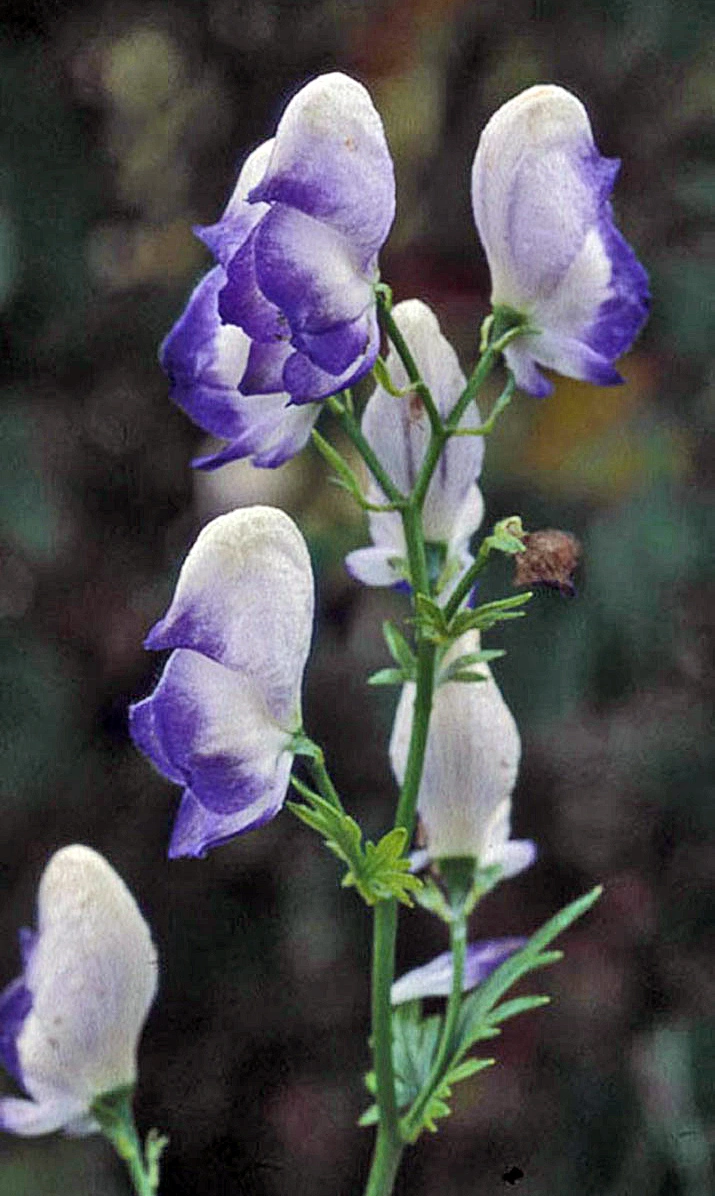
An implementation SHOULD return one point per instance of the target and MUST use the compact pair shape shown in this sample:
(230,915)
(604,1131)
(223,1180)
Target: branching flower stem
(391,1141)
(458,944)
(115,1116)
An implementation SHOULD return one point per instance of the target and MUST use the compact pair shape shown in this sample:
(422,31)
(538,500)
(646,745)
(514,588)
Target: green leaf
(379,871)
(509,1009)
(345,475)
(431,620)
(388,677)
(459,669)
(466,675)
(431,898)
(479,1006)
(489,614)
(507,536)
(483,1013)
(399,650)
(437,1106)
(414,1045)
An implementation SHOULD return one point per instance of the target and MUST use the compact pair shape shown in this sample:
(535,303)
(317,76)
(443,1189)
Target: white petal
(471,759)
(92,975)
(29,1119)
(245,598)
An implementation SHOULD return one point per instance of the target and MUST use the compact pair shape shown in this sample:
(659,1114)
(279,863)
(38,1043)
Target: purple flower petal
(300,248)
(222,718)
(30,1119)
(240,217)
(434,979)
(540,192)
(264,369)
(15,1004)
(306,381)
(207,361)
(210,725)
(309,271)
(330,160)
(198,829)
(242,302)
(245,598)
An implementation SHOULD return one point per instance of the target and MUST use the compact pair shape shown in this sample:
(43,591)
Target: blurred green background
(122,125)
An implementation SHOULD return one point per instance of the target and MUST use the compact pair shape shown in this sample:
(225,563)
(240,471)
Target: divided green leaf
(483,1013)
(488,614)
(379,870)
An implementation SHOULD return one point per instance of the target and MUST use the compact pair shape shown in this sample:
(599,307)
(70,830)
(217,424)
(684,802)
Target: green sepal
(506,322)
(379,871)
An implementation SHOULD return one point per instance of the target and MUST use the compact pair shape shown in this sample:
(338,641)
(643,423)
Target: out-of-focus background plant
(122,125)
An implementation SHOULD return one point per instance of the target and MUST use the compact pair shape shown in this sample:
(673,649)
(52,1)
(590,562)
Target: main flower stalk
(391,1141)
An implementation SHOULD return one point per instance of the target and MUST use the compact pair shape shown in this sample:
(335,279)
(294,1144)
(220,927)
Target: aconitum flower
(70,1024)
(434,979)
(299,243)
(540,193)
(223,717)
(398,430)
(470,768)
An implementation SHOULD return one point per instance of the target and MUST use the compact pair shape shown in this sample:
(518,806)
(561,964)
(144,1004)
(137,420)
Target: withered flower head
(550,559)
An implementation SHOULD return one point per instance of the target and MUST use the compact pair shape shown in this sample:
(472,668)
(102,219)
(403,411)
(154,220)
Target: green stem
(384,930)
(412,1123)
(353,431)
(114,1114)
(465,584)
(321,776)
(389,1143)
(405,354)
(385,1163)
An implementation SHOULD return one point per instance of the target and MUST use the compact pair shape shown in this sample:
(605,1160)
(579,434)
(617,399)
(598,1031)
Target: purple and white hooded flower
(70,1024)
(434,979)
(540,193)
(470,769)
(398,430)
(223,718)
(297,249)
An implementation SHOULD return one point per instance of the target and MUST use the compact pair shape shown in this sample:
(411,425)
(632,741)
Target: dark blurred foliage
(123,124)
